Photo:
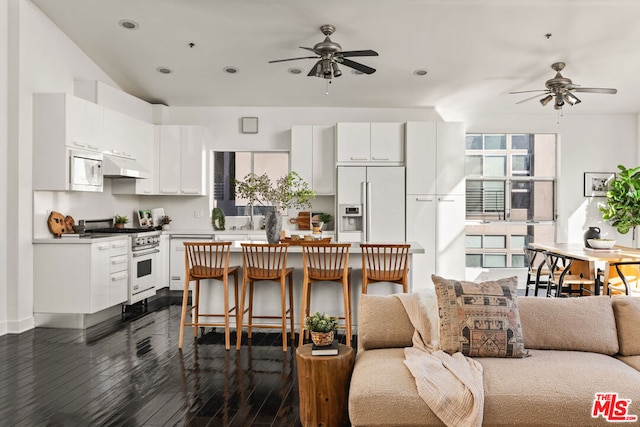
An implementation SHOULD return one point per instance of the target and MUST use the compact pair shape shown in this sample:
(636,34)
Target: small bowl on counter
(601,243)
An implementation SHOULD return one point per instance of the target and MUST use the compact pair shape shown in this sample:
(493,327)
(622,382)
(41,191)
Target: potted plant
(622,208)
(217,219)
(322,327)
(287,192)
(164,221)
(325,218)
(120,221)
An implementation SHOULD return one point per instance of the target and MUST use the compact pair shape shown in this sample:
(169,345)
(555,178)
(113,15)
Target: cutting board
(304,220)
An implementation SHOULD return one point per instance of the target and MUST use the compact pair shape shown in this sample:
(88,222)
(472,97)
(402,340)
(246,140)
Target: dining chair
(264,262)
(563,282)
(326,262)
(207,260)
(624,277)
(537,271)
(385,263)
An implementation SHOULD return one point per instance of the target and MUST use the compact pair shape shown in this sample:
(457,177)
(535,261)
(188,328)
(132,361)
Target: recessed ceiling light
(231,70)
(294,70)
(356,72)
(128,24)
(164,70)
(420,72)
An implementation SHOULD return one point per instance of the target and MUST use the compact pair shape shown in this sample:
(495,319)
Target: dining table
(601,265)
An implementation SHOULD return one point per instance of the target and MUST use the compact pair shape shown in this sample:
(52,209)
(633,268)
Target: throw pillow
(627,312)
(479,319)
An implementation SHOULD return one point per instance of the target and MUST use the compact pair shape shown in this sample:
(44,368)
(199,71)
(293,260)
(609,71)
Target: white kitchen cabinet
(61,122)
(313,156)
(162,278)
(141,145)
(181,160)
(437,223)
(176,258)
(379,143)
(96,279)
(435,157)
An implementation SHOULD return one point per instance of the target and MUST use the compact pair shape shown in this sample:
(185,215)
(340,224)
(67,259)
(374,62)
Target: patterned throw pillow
(479,319)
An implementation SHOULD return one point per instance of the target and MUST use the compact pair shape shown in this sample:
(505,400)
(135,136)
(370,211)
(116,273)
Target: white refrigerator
(380,193)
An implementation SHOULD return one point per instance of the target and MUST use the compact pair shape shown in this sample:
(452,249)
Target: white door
(192,155)
(421,228)
(324,162)
(353,142)
(350,180)
(421,158)
(386,204)
(450,236)
(387,142)
(169,159)
(450,158)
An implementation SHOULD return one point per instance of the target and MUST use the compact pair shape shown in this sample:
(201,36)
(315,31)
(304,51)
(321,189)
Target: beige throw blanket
(451,385)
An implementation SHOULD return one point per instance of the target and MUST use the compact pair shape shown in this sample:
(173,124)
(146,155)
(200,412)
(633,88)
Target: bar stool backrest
(385,262)
(207,259)
(263,261)
(325,261)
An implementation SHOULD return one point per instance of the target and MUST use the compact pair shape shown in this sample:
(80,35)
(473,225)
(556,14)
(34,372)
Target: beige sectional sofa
(578,347)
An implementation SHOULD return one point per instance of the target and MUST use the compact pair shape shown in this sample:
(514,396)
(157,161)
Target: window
(510,196)
(231,165)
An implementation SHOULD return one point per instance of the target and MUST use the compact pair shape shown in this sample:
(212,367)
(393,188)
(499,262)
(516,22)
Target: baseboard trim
(19,326)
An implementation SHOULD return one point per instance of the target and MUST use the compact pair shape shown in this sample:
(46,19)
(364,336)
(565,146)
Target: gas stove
(141,238)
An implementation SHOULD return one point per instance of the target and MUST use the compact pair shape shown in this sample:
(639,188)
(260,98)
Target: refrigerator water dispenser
(350,217)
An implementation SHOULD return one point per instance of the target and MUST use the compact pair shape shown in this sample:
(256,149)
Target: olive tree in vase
(287,192)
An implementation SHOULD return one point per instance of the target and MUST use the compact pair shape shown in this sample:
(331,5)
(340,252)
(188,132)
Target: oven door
(143,275)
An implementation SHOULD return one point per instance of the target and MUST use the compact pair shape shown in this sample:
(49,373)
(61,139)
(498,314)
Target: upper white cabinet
(181,160)
(435,157)
(62,121)
(138,143)
(312,156)
(370,142)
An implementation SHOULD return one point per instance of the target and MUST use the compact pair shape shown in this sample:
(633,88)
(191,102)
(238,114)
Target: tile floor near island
(130,373)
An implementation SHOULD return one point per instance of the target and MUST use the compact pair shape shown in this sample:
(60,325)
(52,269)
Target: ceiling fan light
(336,70)
(571,98)
(544,101)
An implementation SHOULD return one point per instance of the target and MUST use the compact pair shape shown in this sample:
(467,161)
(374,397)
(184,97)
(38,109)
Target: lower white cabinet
(436,222)
(162,272)
(80,278)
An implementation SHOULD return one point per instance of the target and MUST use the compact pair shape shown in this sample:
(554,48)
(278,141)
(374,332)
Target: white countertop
(78,240)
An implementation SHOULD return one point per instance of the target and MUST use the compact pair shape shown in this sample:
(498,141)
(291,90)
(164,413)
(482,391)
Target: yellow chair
(385,263)
(207,260)
(326,262)
(260,263)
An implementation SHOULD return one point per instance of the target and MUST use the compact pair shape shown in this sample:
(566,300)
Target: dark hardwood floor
(130,373)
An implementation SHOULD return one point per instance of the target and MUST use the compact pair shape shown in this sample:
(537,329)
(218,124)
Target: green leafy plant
(321,322)
(121,219)
(325,217)
(287,192)
(217,219)
(164,220)
(622,208)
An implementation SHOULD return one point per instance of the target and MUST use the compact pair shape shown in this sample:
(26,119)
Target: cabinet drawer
(118,263)
(119,247)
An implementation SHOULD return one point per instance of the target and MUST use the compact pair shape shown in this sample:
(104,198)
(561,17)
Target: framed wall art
(596,184)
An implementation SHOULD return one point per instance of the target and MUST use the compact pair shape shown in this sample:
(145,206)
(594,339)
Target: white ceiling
(475,51)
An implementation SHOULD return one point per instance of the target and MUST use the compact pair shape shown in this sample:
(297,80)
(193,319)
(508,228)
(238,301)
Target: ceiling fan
(330,54)
(562,89)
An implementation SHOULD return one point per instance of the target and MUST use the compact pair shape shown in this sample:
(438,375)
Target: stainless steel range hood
(123,167)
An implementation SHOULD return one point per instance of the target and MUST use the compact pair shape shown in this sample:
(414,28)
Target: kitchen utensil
(304,220)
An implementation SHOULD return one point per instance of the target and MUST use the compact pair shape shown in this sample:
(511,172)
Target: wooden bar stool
(385,263)
(266,262)
(326,262)
(207,260)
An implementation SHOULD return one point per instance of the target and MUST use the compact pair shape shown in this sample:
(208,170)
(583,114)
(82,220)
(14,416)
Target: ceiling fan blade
(314,70)
(526,91)
(293,59)
(358,53)
(529,99)
(602,90)
(358,66)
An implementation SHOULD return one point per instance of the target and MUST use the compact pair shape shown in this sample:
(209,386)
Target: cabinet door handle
(103,247)
(78,144)
(93,147)
(424,199)
(169,191)
(359,158)
(176,278)
(190,191)
(119,245)
(116,262)
(442,199)
(119,277)
(380,158)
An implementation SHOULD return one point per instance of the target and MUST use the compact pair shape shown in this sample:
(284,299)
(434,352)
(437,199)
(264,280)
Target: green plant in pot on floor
(622,208)
(322,328)
(287,192)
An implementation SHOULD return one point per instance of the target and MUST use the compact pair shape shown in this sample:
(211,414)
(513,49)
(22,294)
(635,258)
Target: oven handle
(139,254)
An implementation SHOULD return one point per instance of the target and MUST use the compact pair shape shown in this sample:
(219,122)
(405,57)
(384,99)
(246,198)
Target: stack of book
(325,350)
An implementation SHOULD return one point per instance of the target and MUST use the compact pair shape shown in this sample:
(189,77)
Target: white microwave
(85,171)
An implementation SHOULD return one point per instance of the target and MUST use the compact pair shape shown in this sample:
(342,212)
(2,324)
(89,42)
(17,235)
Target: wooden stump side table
(323,383)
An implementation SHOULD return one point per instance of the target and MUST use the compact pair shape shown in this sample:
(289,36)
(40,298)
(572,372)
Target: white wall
(4,99)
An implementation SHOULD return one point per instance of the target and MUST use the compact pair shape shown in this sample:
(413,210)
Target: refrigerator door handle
(368,212)
(363,199)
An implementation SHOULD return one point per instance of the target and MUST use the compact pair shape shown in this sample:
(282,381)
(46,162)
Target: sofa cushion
(627,314)
(382,323)
(479,319)
(552,388)
(383,392)
(581,324)
(633,361)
